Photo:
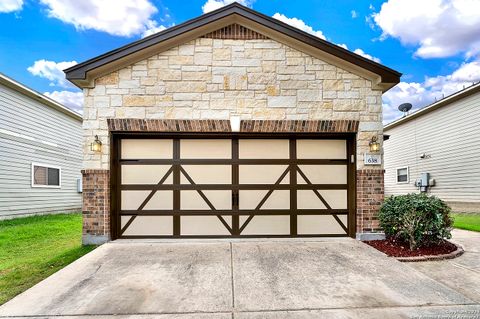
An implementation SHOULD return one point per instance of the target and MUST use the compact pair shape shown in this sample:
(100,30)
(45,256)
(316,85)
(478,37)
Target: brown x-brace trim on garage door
(235,230)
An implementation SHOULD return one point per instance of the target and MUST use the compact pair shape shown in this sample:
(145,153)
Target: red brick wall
(96,202)
(370,194)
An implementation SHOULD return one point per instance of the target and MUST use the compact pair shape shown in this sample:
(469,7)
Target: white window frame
(408,175)
(47,166)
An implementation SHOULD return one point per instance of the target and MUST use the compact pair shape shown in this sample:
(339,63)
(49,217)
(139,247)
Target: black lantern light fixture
(96,145)
(374,145)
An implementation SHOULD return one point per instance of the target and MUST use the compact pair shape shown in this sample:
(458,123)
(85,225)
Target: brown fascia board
(79,72)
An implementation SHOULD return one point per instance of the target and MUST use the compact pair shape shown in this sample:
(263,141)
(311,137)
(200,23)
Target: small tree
(418,219)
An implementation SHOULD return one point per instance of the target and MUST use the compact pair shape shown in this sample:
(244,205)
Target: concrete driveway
(332,278)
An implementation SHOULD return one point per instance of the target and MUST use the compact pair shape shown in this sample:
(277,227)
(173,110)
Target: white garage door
(232,187)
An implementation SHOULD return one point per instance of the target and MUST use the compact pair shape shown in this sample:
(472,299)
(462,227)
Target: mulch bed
(394,248)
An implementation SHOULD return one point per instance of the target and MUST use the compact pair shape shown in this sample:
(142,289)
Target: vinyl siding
(451,136)
(33,132)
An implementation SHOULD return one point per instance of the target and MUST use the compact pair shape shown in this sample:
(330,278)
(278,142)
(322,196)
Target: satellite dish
(405,107)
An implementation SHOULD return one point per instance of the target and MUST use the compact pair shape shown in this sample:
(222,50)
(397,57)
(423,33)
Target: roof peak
(78,74)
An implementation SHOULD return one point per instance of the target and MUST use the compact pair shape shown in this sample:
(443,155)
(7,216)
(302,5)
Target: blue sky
(434,43)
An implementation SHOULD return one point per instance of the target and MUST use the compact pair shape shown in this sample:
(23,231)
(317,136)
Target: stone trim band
(248,126)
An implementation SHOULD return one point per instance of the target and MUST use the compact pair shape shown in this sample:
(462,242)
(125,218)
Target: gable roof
(45,100)
(83,73)
(475,88)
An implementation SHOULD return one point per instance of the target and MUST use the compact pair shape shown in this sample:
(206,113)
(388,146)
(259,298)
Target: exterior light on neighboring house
(374,145)
(235,123)
(96,145)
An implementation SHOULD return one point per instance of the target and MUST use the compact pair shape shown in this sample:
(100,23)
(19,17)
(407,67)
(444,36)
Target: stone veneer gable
(270,86)
(206,78)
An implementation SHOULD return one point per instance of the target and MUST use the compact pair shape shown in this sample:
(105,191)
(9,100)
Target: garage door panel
(266,225)
(145,174)
(204,226)
(192,200)
(161,200)
(336,198)
(205,149)
(278,199)
(148,226)
(207,174)
(147,149)
(320,224)
(264,149)
(307,199)
(323,174)
(321,149)
(262,174)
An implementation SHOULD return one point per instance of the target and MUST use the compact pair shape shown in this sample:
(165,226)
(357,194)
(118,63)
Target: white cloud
(10,5)
(72,100)
(422,94)
(52,71)
(211,5)
(116,17)
(299,24)
(354,14)
(152,27)
(360,52)
(440,28)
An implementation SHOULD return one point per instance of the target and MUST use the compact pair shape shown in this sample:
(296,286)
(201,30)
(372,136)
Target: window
(46,176)
(402,175)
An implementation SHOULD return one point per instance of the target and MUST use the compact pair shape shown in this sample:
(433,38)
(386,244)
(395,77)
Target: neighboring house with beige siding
(40,153)
(232,124)
(442,139)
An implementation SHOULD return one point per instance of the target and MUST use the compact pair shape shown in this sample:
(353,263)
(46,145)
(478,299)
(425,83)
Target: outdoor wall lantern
(96,145)
(374,145)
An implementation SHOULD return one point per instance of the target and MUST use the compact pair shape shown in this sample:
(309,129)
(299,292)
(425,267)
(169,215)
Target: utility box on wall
(424,182)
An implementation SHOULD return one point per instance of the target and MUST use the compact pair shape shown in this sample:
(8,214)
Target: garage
(174,165)
(232,186)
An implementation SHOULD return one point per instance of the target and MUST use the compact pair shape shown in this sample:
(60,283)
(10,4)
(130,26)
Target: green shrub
(418,219)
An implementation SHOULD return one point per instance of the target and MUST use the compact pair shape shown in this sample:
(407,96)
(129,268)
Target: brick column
(96,206)
(369,199)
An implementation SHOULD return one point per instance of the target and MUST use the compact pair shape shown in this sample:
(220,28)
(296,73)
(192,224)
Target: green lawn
(467,221)
(33,248)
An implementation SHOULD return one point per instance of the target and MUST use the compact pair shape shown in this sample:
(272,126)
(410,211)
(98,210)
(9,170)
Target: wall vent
(235,32)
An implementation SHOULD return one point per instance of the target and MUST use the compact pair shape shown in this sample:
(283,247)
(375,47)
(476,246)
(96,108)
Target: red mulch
(395,248)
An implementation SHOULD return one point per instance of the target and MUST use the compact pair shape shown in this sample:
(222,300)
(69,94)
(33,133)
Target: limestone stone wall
(215,79)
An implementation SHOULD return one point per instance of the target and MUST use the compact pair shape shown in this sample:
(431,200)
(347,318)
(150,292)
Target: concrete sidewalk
(241,279)
(461,273)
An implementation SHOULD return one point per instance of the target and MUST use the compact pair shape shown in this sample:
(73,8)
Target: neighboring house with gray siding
(40,152)
(441,139)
